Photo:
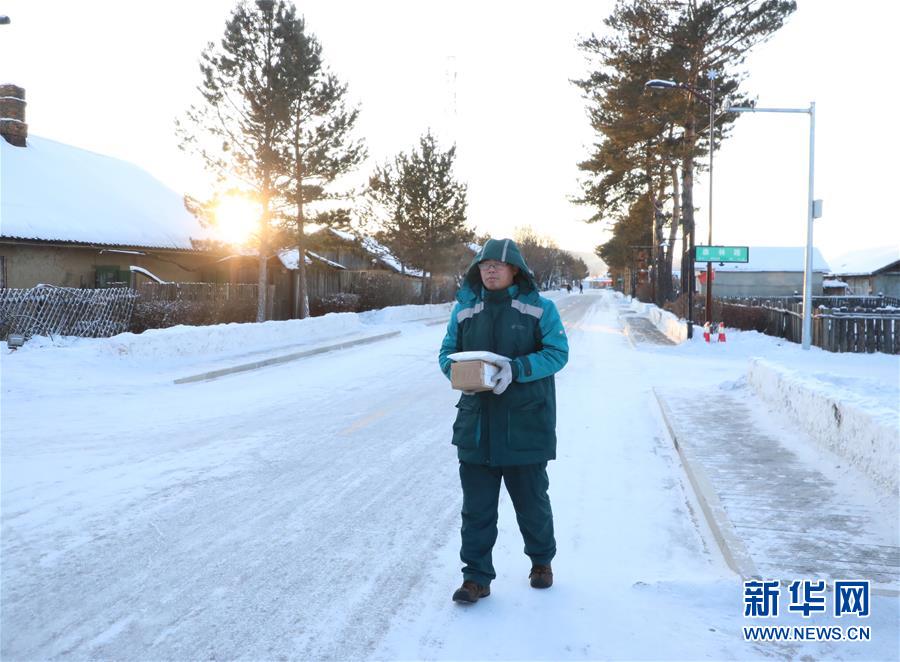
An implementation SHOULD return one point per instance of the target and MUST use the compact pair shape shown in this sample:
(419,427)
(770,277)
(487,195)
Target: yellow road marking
(363,422)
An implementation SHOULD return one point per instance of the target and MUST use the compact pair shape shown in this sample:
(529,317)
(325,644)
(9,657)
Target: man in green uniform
(508,433)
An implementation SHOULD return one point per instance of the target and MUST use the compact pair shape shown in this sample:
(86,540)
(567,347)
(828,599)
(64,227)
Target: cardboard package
(472,375)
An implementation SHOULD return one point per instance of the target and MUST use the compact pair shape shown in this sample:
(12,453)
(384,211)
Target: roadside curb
(254,365)
(736,555)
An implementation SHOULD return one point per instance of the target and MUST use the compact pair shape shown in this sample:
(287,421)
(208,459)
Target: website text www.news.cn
(806,597)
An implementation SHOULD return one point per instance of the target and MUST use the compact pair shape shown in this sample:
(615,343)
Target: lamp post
(813,210)
(710,101)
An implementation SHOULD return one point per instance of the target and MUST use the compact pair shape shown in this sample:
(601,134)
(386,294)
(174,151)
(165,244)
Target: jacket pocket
(531,426)
(467,427)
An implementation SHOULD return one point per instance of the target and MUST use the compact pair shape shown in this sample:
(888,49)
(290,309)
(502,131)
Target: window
(112,276)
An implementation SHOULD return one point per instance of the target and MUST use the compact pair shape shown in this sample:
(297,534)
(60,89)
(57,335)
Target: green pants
(527,487)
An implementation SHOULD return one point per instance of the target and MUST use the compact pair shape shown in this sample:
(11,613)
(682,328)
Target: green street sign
(721,253)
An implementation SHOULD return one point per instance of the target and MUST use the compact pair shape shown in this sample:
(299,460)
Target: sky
(494,79)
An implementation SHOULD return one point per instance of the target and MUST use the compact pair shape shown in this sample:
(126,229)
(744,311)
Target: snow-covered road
(311,511)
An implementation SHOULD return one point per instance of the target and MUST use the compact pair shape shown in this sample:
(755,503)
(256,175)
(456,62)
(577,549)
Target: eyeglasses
(494,265)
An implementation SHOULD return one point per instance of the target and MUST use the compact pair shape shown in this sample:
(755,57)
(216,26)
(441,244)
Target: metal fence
(68,311)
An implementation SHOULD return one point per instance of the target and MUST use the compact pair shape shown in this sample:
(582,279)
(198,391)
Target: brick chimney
(12,115)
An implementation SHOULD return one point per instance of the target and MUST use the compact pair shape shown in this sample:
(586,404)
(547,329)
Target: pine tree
(645,138)
(421,208)
(245,113)
(318,146)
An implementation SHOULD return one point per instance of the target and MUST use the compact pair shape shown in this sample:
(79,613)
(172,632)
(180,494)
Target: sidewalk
(779,507)
(638,329)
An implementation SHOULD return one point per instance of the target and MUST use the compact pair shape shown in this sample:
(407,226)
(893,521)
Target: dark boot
(541,576)
(471,592)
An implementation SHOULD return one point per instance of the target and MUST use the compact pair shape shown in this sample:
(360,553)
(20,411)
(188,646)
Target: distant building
(835,287)
(772,271)
(871,271)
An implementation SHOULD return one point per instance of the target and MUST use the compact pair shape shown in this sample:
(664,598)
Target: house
(357,253)
(75,218)
(871,271)
(282,273)
(834,287)
(772,271)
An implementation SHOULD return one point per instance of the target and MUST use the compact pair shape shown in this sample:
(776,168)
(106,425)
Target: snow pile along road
(222,338)
(858,428)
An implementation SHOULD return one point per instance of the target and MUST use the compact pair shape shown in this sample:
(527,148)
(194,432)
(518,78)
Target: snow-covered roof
(865,262)
(833,282)
(377,249)
(774,258)
(55,192)
(387,257)
(290,258)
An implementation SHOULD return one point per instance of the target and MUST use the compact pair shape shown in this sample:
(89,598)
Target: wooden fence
(857,330)
(163,305)
(200,292)
(839,324)
(879,301)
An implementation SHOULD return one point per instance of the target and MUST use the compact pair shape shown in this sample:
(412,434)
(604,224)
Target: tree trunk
(662,290)
(687,204)
(426,285)
(301,298)
(673,229)
(263,280)
(651,198)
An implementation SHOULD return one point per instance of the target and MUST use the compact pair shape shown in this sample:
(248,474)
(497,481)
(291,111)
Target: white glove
(503,378)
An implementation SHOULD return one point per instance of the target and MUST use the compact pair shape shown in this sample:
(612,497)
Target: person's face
(497,275)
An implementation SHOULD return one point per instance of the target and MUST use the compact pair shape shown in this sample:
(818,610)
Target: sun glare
(236,219)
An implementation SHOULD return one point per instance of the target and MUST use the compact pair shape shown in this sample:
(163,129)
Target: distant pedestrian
(508,433)
(569,288)
(580,287)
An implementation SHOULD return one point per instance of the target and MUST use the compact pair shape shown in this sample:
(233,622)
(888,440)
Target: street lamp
(813,209)
(661,84)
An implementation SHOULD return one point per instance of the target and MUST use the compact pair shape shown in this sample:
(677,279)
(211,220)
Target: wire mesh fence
(51,310)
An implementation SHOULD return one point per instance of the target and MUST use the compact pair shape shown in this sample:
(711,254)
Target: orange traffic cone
(706,332)
(721,331)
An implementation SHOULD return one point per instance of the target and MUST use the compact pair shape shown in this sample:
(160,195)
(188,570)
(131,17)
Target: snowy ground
(310,510)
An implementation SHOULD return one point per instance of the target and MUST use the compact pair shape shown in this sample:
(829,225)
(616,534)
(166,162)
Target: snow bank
(667,323)
(855,427)
(196,341)
(219,338)
(398,314)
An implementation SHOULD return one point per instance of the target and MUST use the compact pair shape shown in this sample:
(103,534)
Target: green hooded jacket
(518,426)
